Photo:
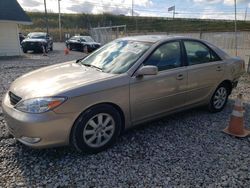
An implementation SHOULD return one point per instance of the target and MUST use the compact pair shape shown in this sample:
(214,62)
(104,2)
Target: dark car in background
(37,42)
(80,42)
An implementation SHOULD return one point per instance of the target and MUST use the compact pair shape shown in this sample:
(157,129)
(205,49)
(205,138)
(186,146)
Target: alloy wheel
(99,130)
(220,98)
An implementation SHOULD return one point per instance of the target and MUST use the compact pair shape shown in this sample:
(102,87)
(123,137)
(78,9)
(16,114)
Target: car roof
(40,33)
(154,38)
(81,36)
(159,38)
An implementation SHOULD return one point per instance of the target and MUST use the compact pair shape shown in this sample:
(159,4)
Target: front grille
(14,99)
(33,44)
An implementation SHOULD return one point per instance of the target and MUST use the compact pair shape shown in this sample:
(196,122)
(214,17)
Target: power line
(192,11)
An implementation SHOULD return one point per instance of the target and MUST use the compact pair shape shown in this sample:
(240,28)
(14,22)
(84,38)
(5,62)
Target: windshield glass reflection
(118,56)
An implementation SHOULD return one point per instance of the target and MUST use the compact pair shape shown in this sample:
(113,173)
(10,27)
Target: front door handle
(180,77)
(218,68)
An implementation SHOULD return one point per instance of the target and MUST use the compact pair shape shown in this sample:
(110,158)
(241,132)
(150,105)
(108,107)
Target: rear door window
(198,53)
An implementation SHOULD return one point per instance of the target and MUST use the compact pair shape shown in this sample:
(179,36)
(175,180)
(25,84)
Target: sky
(205,9)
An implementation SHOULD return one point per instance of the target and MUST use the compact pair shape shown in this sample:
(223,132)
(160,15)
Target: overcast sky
(211,9)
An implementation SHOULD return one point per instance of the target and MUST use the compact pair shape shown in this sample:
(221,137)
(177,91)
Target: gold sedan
(88,103)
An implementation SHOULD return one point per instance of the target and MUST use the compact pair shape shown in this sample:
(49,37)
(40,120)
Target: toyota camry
(89,102)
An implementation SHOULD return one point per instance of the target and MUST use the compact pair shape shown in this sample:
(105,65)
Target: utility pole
(46,17)
(132,13)
(136,24)
(59,19)
(246,15)
(173,13)
(235,27)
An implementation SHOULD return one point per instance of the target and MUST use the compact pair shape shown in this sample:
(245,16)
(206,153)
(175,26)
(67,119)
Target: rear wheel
(96,129)
(219,98)
(24,51)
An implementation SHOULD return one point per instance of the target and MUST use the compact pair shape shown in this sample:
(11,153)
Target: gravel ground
(186,149)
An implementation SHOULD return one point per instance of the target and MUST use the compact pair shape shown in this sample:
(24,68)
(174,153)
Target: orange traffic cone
(236,124)
(66,51)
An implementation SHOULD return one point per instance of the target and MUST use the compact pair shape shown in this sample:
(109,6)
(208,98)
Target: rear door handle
(180,77)
(218,68)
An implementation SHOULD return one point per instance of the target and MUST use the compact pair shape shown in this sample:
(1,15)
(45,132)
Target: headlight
(39,105)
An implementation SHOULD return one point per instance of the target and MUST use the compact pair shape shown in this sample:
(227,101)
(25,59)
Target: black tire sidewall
(46,49)
(77,136)
(211,104)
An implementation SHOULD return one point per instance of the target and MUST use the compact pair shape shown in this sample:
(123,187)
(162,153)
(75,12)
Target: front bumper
(37,130)
(34,46)
(76,46)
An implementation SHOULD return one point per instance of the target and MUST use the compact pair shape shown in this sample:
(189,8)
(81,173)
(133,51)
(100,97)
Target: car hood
(91,43)
(34,40)
(56,79)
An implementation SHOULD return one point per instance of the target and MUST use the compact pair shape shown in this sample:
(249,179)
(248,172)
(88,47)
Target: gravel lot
(186,149)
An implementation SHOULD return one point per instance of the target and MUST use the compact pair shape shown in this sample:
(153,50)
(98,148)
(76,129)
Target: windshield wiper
(92,66)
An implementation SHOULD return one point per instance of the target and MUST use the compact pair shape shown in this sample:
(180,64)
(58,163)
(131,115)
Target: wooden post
(248,66)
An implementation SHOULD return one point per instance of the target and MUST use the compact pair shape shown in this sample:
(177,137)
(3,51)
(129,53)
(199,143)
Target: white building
(11,14)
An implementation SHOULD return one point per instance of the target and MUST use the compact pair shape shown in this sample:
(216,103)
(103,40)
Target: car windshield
(83,38)
(37,35)
(87,39)
(117,57)
(74,38)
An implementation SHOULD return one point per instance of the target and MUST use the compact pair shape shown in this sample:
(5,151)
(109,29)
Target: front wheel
(45,49)
(69,47)
(219,98)
(96,129)
(24,51)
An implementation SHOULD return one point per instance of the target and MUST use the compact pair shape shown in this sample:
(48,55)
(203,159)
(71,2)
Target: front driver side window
(167,56)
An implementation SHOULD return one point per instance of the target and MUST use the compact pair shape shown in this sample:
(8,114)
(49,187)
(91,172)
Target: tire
(69,47)
(221,96)
(51,48)
(46,49)
(24,51)
(88,133)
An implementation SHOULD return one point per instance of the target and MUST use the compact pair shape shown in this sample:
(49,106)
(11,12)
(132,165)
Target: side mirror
(147,70)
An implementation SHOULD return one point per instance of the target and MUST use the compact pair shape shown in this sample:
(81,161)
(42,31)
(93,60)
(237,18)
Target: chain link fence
(226,41)
(104,35)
